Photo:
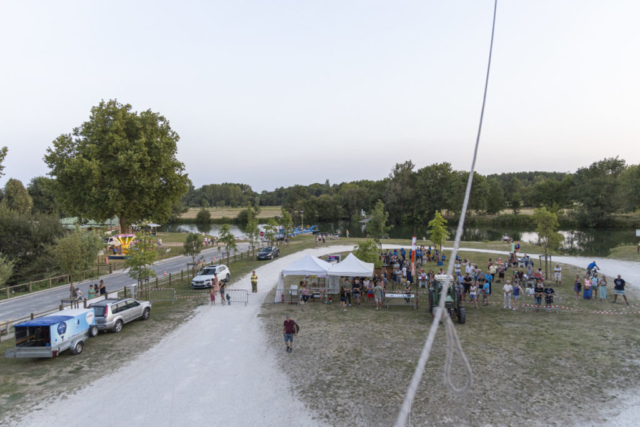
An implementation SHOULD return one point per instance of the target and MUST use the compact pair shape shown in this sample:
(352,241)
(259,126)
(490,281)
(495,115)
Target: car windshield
(209,271)
(266,250)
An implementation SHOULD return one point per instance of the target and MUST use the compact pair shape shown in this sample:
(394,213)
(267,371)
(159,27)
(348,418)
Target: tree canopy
(118,163)
(377,226)
(16,197)
(438,232)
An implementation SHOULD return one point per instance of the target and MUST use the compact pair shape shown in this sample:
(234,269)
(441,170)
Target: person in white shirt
(558,274)
(404,273)
(469,269)
(508,290)
(458,267)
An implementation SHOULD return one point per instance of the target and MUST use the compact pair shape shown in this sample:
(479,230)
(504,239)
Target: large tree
(400,192)
(118,163)
(41,191)
(432,186)
(16,197)
(27,245)
(597,191)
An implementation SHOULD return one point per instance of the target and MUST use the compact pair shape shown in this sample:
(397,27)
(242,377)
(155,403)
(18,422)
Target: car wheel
(118,327)
(146,314)
(228,278)
(78,348)
(93,331)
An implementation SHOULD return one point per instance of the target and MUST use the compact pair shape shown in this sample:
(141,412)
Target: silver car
(112,314)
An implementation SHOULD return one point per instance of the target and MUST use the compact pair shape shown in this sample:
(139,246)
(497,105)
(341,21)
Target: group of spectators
(373,289)
(595,287)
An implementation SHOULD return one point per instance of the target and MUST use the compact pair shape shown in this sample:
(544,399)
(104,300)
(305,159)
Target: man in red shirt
(289,330)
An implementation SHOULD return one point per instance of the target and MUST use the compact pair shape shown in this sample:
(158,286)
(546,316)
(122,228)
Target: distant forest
(413,195)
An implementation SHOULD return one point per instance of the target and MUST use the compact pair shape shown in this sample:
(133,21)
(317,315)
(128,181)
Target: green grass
(625,253)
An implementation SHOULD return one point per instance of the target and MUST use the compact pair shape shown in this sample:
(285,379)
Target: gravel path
(216,369)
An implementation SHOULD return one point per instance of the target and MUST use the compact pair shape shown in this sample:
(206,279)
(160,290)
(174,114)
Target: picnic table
(401,299)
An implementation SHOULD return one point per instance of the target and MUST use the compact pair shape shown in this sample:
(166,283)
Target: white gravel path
(215,370)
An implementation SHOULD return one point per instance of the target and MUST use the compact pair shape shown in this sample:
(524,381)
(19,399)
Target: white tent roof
(307,266)
(352,266)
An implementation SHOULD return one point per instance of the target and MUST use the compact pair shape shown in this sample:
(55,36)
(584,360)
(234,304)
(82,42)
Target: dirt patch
(354,367)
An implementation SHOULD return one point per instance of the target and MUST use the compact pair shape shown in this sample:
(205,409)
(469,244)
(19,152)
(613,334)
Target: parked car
(269,252)
(49,336)
(112,314)
(204,278)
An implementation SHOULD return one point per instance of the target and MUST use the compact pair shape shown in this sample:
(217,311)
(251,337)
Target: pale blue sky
(274,93)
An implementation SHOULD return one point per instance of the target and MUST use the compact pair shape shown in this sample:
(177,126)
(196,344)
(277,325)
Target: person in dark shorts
(289,330)
(468,280)
(103,288)
(537,296)
(548,296)
(618,287)
(343,298)
(356,289)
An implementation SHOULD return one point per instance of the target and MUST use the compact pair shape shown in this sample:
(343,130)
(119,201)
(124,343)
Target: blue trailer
(48,336)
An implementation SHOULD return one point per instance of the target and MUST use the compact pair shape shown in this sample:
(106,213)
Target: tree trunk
(125,225)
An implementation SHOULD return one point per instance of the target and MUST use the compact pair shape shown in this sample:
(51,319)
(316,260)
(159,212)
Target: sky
(282,92)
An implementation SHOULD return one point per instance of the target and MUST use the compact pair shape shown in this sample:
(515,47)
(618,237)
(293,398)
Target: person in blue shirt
(591,267)
(486,290)
(488,277)
(403,253)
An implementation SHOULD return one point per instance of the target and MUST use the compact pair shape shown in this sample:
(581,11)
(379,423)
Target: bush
(203,217)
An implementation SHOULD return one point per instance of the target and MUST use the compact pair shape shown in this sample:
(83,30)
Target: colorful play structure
(121,245)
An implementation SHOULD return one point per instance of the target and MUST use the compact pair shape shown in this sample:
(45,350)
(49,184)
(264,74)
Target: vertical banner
(413,258)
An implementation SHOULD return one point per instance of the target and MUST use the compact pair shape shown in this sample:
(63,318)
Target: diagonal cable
(453,342)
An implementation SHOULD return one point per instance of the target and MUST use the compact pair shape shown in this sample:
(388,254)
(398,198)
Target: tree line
(592,194)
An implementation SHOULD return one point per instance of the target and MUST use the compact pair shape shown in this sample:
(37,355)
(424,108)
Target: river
(584,242)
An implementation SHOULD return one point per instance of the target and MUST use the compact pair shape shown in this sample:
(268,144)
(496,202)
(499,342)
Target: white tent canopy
(306,266)
(353,267)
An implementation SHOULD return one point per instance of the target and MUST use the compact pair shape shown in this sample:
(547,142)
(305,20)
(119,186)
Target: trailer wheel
(78,348)
(93,331)
(462,315)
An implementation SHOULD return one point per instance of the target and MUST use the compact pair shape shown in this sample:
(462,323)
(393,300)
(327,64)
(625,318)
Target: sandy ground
(215,370)
(219,369)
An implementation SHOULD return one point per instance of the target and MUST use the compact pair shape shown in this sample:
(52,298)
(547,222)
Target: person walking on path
(289,331)
(618,287)
(377,290)
(508,291)
(103,288)
(254,283)
(92,291)
(603,288)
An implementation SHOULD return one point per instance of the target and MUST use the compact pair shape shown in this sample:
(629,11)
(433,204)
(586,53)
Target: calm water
(586,242)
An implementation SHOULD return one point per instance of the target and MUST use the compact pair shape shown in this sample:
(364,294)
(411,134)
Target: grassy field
(266,212)
(625,253)
(353,368)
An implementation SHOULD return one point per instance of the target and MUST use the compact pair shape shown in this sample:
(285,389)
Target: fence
(54,281)
(66,304)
